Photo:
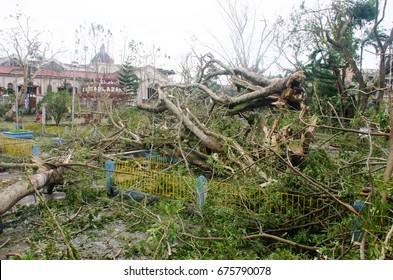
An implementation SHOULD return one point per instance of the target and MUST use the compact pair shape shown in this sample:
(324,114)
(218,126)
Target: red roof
(6,69)
(46,73)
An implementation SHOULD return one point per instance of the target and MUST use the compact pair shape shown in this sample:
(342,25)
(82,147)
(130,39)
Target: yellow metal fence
(134,176)
(16,147)
(139,175)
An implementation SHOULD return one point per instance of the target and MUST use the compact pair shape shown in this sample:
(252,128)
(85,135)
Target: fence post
(200,191)
(110,177)
(15,126)
(43,129)
(359,206)
(36,150)
(66,132)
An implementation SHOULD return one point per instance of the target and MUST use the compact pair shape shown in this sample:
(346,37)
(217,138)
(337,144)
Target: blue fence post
(200,191)
(36,150)
(43,129)
(15,126)
(110,177)
(359,206)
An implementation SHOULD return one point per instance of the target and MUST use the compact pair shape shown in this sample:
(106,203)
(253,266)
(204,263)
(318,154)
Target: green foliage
(4,109)
(136,120)
(57,104)
(318,164)
(284,254)
(127,78)
(362,11)
(167,228)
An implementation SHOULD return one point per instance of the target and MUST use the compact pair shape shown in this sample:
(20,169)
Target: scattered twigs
(368,164)
(118,134)
(363,246)
(257,236)
(8,255)
(314,183)
(281,226)
(386,244)
(81,230)
(75,215)
(53,218)
(157,250)
(144,211)
(121,231)
(5,242)
(335,112)
(117,254)
(169,249)
(330,138)
(389,167)
(282,240)
(6,165)
(179,141)
(343,129)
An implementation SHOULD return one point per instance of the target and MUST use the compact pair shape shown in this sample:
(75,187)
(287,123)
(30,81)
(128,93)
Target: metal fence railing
(16,147)
(146,175)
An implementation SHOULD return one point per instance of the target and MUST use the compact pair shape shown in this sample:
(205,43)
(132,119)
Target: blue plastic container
(20,135)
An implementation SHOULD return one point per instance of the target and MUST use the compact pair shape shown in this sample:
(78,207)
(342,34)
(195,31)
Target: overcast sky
(168,24)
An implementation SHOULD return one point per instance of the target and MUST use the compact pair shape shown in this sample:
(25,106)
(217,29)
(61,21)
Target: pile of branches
(196,113)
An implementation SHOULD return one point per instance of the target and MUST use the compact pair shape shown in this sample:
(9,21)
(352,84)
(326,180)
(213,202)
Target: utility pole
(74,64)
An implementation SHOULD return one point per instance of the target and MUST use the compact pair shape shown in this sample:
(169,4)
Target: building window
(49,88)
(151,92)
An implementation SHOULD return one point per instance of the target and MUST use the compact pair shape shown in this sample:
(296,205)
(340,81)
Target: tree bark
(10,195)
(207,140)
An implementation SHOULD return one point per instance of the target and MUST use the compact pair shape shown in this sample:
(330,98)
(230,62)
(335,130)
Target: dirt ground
(17,227)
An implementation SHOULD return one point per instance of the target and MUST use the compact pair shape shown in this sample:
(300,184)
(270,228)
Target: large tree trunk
(10,195)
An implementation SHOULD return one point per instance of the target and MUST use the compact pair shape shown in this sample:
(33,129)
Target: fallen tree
(191,112)
(46,177)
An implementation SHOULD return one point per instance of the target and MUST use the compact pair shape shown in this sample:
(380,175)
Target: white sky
(167,24)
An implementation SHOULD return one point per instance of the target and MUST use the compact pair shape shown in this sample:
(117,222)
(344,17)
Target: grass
(30,125)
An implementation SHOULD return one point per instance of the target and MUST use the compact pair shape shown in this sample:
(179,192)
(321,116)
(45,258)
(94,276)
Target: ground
(102,238)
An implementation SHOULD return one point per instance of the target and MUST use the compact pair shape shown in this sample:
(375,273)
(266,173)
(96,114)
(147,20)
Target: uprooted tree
(200,106)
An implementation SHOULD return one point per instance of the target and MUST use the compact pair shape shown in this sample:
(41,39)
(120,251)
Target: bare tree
(251,38)
(90,39)
(26,48)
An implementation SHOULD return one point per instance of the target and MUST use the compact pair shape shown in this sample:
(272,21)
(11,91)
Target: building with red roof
(94,82)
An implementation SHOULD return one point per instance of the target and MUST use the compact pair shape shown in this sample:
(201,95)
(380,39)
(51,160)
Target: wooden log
(10,195)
